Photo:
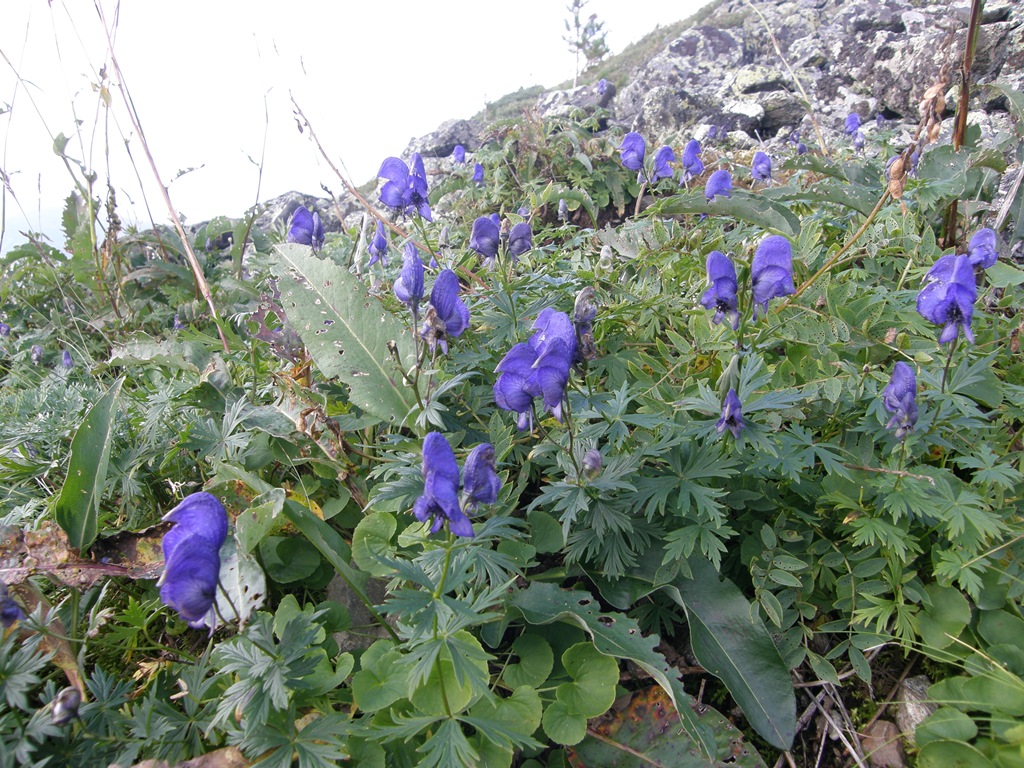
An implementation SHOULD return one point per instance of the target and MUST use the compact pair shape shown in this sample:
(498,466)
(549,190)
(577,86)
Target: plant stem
(949,360)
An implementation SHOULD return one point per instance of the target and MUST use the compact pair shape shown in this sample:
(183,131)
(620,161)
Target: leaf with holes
(347,332)
(613,635)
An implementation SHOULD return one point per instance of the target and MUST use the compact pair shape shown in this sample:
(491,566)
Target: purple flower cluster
(405,190)
(192,556)
(632,152)
(306,228)
(900,399)
(440,499)
(538,367)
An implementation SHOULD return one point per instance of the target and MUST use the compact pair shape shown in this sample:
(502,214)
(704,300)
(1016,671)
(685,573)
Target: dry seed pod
(897,178)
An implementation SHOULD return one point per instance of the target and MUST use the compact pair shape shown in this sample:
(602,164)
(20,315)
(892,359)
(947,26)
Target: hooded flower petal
(451,315)
(719,183)
(306,228)
(409,285)
(478,174)
(662,158)
(459,154)
(190,579)
(633,148)
(771,272)
(440,499)
(485,237)
(732,415)
(721,296)
(982,250)
(692,165)
(948,298)
(852,123)
(480,482)
(761,169)
(379,246)
(899,399)
(520,239)
(199,515)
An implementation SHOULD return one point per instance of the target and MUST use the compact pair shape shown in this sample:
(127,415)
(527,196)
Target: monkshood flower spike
(480,484)
(771,272)
(719,183)
(440,499)
(448,315)
(761,168)
(948,298)
(306,228)
(192,557)
(732,415)
(982,250)
(379,246)
(900,399)
(721,296)
(409,285)
(633,149)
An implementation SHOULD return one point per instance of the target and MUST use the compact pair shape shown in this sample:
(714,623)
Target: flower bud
(65,706)
(592,463)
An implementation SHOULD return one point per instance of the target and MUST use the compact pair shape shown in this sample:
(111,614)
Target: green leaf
(1001,627)
(289,558)
(442,692)
(545,532)
(252,525)
(346,332)
(753,209)
(594,677)
(372,539)
(942,622)
(1003,275)
(380,681)
(536,661)
(78,506)
(951,754)
(731,642)
(562,725)
(614,635)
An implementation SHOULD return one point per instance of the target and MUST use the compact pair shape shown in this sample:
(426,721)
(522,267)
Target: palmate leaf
(346,331)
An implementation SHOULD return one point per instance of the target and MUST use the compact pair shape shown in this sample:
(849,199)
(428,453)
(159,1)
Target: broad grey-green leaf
(732,643)
(78,506)
(346,331)
(753,209)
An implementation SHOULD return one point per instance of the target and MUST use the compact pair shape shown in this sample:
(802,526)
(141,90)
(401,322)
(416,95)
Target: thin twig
(840,734)
(897,472)
(190,256)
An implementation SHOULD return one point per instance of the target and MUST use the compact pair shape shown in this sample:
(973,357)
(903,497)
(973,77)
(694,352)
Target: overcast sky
(212,80)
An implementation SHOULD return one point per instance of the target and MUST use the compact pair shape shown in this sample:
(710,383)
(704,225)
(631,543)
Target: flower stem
(949,360)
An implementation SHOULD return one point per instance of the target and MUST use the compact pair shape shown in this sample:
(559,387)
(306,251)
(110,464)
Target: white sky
(211,79)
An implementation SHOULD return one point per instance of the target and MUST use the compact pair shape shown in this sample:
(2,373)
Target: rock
(755,78)
(913,707)
(365,630)
(441,142)
(781,109)
(882,745)
(743,115)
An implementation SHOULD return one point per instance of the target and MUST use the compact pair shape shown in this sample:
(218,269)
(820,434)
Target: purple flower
(948,298)
(801,148)
(520,239)
(409,285)
(480,484)
(10,611)
(478,174)
(537,368)
(771,272)
(761,168)
(899,399)
(440,499)
(448,315)
(192,556)
(982,249)
(602,86)
(732,415)
(485,237)
(633,149)
(5,330)
(662,158)
(37,354)
(879,121)
(379,246)
(592,463)
(306,228)
(721,296)
(405,190)
(177,324)
(712,134)
(459,154)
(65,359)
(692,165)
(719,183)
(852,123)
